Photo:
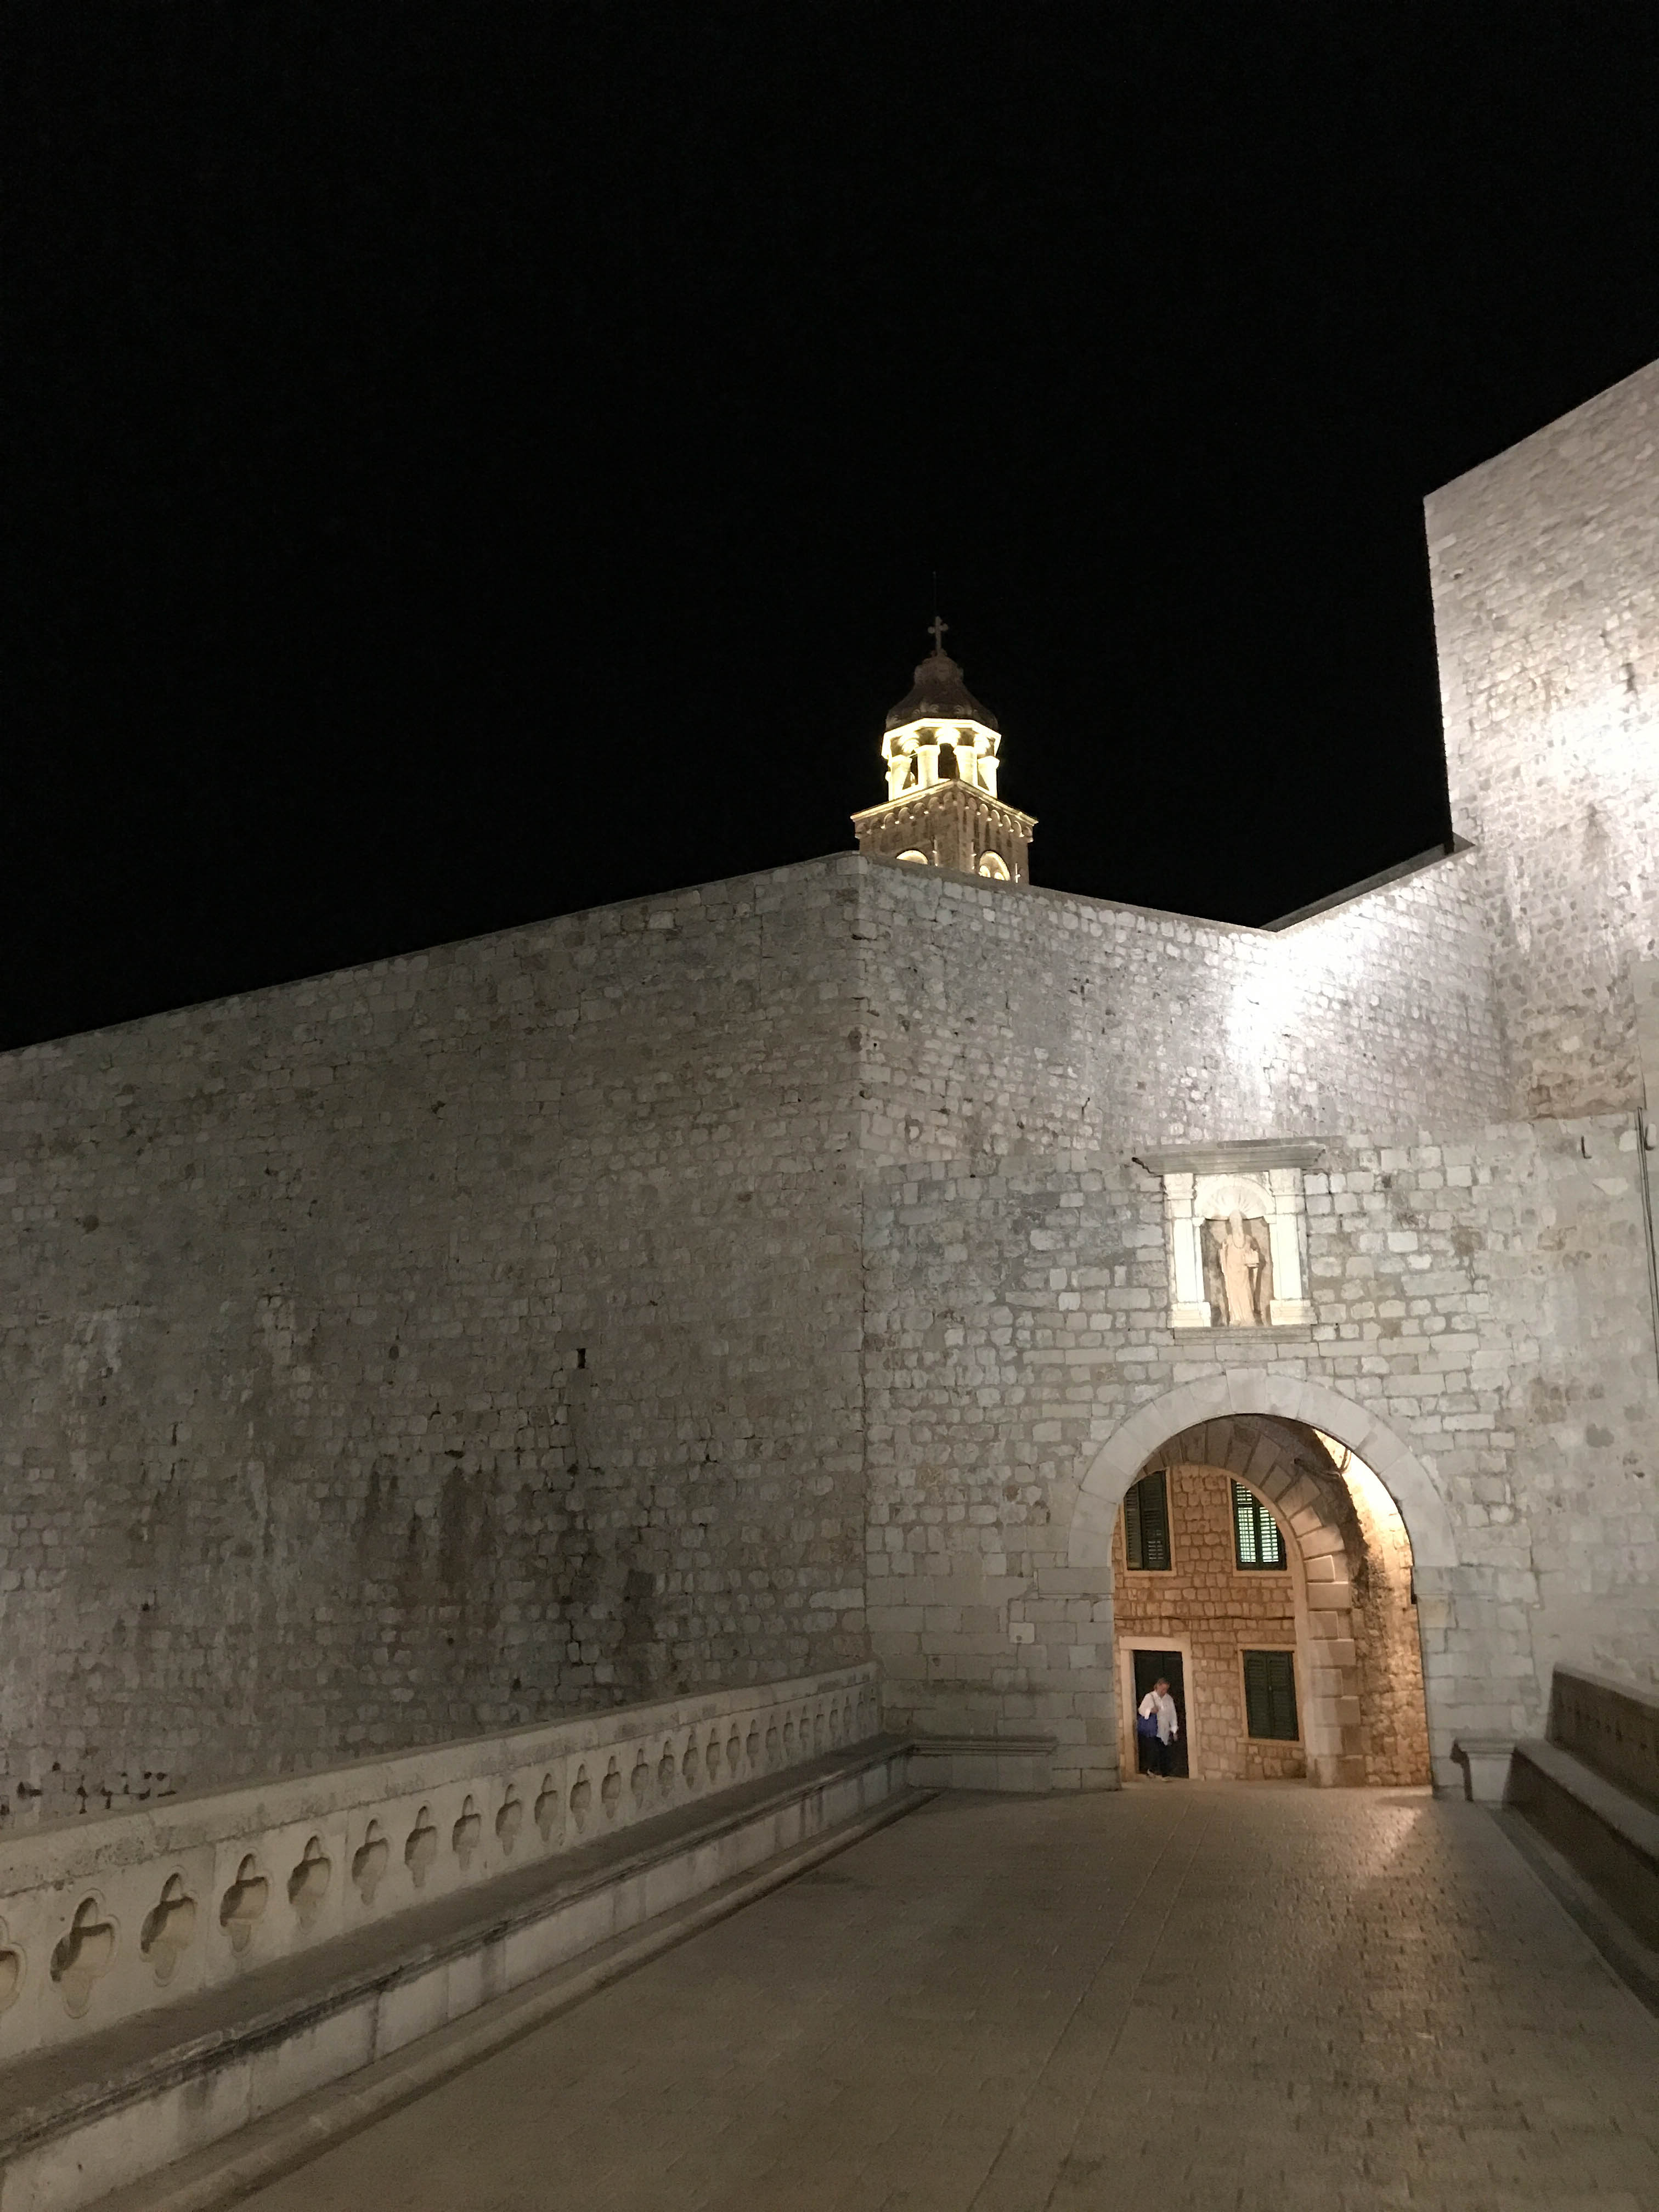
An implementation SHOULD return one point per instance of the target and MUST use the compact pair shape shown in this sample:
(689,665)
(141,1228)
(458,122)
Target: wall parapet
(115,1914)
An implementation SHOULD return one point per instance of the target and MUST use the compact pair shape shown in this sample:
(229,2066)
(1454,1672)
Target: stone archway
(1259,1390)
(1290,1470)
(1356,1661)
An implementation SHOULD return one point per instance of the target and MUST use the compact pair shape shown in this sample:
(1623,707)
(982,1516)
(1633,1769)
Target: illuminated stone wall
(1545,564)
(435,1345)
(1483,1337)
(1034,1021)
(478,1335)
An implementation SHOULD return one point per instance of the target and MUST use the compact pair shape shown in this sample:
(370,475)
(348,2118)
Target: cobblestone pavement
(1182,1996)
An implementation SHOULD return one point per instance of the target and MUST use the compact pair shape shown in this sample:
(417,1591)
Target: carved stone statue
(1241,1269)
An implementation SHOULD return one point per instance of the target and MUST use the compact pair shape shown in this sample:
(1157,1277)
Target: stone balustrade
(111,1915)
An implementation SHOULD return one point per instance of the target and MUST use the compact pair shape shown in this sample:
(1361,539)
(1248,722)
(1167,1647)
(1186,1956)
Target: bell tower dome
(942,750)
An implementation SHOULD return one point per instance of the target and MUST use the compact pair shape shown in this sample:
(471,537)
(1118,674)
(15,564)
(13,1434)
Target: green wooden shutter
(1259,1541)
(1146,1523)
(1269,1537)
(1281,1685)
(1270,1696)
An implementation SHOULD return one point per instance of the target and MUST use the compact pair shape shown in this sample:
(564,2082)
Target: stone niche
(1235,1227)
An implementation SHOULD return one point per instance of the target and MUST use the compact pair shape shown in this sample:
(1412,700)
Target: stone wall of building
(1394,1721)
(1033,1021)
(434,1347)
(1545,564)
(1483,1337)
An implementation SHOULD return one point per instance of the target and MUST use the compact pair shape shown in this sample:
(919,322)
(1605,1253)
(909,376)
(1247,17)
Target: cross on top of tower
(936,630)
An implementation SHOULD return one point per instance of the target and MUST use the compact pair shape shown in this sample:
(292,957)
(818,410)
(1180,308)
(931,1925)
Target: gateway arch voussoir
(1260,1390)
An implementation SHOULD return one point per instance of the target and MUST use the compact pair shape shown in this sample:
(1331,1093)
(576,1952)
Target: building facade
(745,1280)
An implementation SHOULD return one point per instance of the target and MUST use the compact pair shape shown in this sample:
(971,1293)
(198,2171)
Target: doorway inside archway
(1278,1567)
(1148,1667)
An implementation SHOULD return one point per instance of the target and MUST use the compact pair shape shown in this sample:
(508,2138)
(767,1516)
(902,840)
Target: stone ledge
(1608,1838)
(347,1848)
(84,2118)
(1022,1763)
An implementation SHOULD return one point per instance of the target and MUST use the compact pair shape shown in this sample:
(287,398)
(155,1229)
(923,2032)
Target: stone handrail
(113,1914)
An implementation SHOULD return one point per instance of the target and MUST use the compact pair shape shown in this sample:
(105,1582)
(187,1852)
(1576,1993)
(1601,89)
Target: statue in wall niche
(1238,1271)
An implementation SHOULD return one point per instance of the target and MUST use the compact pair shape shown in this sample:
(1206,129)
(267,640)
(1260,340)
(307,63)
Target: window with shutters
(1258,1540)
(1270,1696)
(1146,1523)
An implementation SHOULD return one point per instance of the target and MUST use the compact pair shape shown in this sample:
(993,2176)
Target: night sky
(466,463)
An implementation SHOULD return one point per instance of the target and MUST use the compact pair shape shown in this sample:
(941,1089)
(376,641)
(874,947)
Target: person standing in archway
(1157,1726)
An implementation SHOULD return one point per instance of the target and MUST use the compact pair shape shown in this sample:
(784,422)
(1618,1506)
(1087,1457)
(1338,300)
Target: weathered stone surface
(433,1347)
(1545,564)
(136,1911)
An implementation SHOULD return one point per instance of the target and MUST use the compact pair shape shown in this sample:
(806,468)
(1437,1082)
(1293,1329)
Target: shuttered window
(1146,1523)
(1258,1540)
(1270,1696)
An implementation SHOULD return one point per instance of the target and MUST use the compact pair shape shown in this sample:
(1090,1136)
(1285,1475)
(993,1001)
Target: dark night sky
(469,462)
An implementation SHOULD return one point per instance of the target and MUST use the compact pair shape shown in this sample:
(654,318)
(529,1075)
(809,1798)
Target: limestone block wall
(1393,1722)
(1483,1339)
(432,1347)
(1544,566)
(444,1345)
(1029,1020)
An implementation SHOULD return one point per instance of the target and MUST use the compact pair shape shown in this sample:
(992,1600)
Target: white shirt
(1165,1707)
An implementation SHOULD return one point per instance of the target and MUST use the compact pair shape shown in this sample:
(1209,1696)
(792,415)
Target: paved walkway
(1187,1996)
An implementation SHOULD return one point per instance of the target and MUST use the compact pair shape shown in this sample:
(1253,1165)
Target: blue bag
(1146,1724)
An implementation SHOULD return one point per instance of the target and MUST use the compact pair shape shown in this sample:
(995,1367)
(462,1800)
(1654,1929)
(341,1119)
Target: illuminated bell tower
(942,809)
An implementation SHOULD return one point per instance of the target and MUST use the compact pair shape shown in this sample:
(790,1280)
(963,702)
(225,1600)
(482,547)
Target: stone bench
(1582,1804)
(1022,1763)
(1607,1836)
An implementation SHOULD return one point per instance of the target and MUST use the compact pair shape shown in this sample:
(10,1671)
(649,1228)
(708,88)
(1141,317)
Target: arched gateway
(1354,1506)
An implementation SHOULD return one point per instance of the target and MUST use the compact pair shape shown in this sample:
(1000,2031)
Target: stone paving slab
(1180,1995)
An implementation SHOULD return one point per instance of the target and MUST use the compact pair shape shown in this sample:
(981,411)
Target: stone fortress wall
(607,1307)
(1545,565)
(433,1347)
(1481,1268)
(443,1344)
(1003,1024)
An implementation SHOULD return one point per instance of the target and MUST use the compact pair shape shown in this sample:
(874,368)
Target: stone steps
(86,2117)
